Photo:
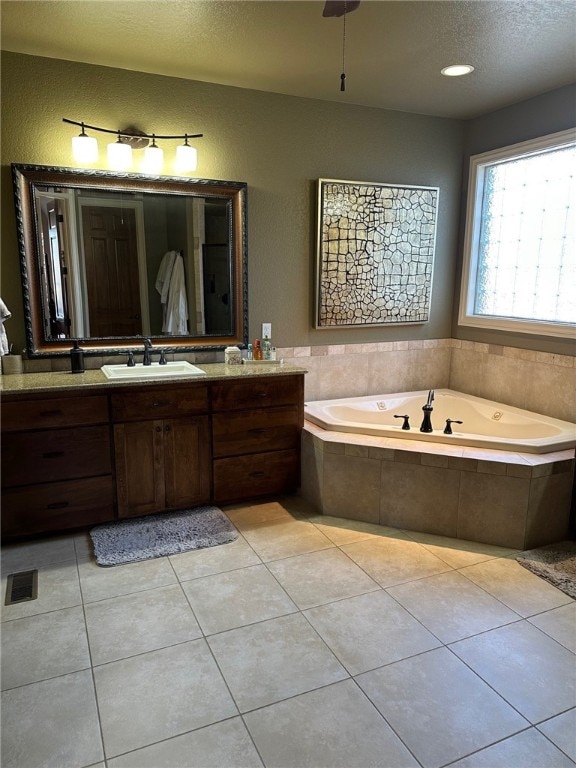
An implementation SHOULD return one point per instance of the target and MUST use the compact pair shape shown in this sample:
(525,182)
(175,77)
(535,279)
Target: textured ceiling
(394,50)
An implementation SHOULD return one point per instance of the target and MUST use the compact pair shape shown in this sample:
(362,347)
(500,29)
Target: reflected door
(111,263)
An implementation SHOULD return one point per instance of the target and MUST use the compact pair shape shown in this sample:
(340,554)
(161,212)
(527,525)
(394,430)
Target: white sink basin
(172,370)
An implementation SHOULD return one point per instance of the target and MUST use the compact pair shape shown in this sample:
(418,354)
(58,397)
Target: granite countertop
(94,379)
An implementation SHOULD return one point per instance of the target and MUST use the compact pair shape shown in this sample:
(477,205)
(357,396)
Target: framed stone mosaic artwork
(375,253)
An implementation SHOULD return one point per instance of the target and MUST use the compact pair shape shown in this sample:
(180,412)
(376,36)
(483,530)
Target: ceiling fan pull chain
(343,75)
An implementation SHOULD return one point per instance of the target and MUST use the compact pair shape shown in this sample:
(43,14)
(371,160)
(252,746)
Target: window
(519,269)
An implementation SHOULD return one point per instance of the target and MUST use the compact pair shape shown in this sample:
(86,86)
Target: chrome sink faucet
(147,352)
(426,425)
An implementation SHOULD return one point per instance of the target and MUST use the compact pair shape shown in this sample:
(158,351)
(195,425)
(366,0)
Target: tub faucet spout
(426,425)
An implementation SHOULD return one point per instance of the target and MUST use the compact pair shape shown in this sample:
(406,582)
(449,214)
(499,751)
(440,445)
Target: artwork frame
(375,252)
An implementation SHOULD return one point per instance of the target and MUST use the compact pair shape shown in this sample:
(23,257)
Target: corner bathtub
(486,424)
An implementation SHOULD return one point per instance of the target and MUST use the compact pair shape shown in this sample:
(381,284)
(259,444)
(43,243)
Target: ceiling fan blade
(339,7)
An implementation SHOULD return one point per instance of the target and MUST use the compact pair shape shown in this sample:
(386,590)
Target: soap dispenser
(76,358)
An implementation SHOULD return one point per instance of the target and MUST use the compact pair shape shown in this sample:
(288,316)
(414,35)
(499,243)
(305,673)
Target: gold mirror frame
(26,178)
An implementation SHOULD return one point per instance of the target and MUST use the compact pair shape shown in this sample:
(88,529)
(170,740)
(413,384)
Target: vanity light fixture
(153,158)
(186,157)
(119,155)
(457,70)
(85,148)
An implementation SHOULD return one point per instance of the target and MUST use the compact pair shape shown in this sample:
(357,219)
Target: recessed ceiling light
(457,70)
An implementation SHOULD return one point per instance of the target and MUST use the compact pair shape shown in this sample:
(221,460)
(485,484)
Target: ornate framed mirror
(110,258)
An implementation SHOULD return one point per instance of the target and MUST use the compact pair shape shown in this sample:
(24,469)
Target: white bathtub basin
(172,370)
(485,423)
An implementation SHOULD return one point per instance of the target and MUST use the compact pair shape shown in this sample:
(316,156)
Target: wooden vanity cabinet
(56,464)
(256,429)
(162,463)
(77,460)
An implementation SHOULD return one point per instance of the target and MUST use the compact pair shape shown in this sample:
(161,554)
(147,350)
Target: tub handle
(406,424)
(448,427)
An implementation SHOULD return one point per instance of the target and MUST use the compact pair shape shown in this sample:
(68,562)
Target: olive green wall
(278,144)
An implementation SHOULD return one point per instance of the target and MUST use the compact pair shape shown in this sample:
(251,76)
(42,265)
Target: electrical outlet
(266,330)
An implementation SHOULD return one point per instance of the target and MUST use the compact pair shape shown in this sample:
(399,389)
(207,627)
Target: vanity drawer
(57,506)
(54,412)
(62,454)
(261,474)
(257,392)
(159,403)
(257,430)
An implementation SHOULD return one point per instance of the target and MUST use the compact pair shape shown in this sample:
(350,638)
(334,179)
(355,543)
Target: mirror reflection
(117,264)
(129,256)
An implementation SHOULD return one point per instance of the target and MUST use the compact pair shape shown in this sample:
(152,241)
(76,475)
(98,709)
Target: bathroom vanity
(74,455)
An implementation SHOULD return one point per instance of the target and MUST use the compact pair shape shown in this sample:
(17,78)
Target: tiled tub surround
(536,381)
(495,497)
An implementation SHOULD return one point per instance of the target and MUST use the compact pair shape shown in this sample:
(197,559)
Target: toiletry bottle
(249,355)
(76,359)
(266,349)
(257,350)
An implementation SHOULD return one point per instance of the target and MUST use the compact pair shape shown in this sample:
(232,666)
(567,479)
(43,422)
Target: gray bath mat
(555,562)
(143,538)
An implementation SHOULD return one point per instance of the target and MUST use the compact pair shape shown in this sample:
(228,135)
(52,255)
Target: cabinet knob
(167,428)
(158,429)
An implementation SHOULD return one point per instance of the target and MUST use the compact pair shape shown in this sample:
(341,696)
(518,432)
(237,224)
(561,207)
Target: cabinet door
(187,462)
(139,467)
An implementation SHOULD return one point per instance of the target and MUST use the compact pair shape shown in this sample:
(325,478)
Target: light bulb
(84,148)
(119,155)
(153,158)
(186,157)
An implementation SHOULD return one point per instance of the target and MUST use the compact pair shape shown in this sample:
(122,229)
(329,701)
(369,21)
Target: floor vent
(21,587)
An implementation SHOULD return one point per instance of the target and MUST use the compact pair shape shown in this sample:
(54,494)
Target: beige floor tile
(369,631)
(157,695)
(335,727)
(51,724)
(516,587)
(439,708)
(37,553)
(393,560)
(528,749)
(43,646)
(273,660)
(458,552)
(144,621)
(101,583)
(540,689)
(321,577)
(452,607)
(278,539)
(215,746)
(560,624)
(58,587)
(341,531)
(562,731)
(204,562)
(246,516)
(234,599)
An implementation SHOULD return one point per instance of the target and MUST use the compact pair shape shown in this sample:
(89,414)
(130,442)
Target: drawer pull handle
(262,394)
(58,505)
(50,413)
(160,403)
(256,474)
(257,431)
(52,454)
